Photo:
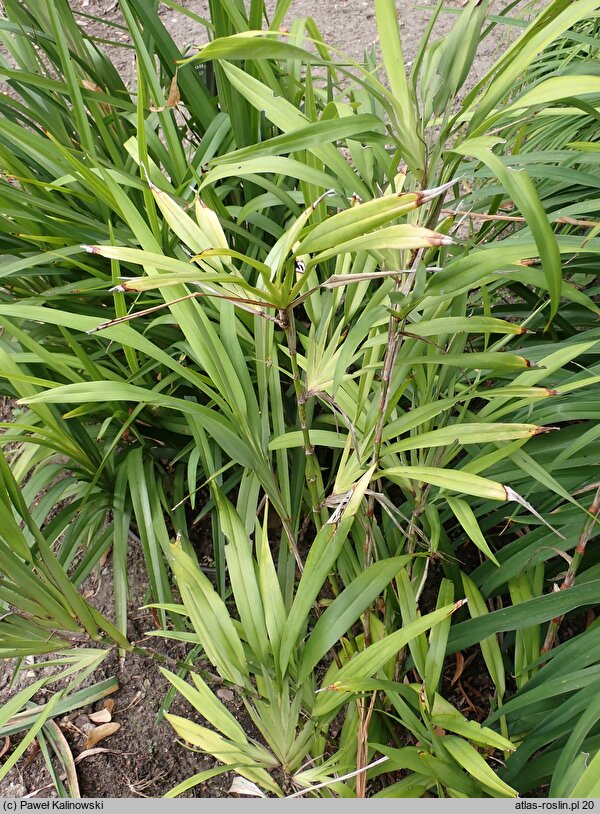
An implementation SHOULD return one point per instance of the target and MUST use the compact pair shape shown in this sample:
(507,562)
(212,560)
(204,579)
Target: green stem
(314,479)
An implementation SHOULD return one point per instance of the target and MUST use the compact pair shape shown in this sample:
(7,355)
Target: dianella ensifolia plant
(346,312)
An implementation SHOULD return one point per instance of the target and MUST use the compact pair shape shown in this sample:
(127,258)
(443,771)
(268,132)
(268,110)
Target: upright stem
(362,747)
(314,480)
(573,566)
(395,337)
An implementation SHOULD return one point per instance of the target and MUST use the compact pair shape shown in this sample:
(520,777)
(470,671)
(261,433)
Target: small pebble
(15,790)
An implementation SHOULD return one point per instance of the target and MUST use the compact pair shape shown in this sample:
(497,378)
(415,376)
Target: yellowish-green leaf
(470,759)
(404,236)
(454,325)
(454,480)
(248,759)
(482,735)
(557,88)
(358,220)
(208,705)
(210,618)
(366,663)
(465,434)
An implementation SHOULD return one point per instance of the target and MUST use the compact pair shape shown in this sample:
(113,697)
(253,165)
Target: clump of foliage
(356,304)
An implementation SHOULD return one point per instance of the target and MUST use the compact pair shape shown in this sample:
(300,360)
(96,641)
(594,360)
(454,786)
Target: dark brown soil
(147,758)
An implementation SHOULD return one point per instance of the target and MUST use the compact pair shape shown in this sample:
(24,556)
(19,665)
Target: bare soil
(348,25)
(145,758)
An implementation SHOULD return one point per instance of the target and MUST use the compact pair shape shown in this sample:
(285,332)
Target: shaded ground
(145,757)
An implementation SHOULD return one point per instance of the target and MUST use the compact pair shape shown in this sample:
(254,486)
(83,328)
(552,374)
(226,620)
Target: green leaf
(252,45)
(454,325)
(402,94)
(319,438)
(465,434)
(490,647)
(588,785)
(14,704)
(208,705)
(470,759)
(307,137)
(557,88)
(243,578)
(81,698)
(466,517)
(476,361)
(217,425)
(483,735)
(322,555)
(369,661)
(450,479)
(345,610)
(523,615)
(402,237)
(45,712)
(523,192)
(438,638)
(210,618)
(245,757)
(358,220)
(287,117)
(549,26)
(197,780)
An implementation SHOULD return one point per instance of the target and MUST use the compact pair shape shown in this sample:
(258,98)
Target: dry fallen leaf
(5,746)
(103,716)
(98,733)
(99,750)
(460,666)
(242,786)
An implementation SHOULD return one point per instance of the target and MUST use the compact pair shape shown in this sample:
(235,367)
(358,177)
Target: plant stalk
(314,479)
(569,579)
